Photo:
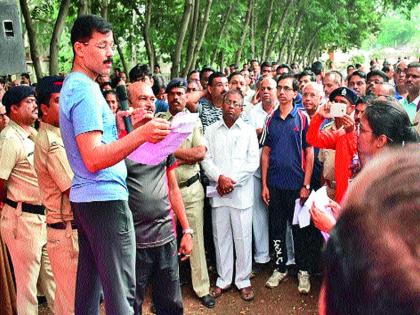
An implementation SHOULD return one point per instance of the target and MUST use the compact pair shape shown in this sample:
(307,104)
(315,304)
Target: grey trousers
(106,257)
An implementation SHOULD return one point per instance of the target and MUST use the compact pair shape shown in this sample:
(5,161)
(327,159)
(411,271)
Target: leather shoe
(247,294)
(208,301)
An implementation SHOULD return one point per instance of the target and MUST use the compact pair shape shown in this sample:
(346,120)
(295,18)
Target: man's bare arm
(191,155)
(97,156)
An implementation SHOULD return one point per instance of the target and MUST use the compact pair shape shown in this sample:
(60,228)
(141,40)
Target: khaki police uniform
(54,177)
(193,196)
(23,227)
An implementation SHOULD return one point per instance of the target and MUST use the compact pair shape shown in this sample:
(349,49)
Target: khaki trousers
(193,198)
(63,250)
(25,235)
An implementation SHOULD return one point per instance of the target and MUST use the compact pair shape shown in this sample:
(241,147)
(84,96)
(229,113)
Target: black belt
(27,207)
(189,181)
(62,225)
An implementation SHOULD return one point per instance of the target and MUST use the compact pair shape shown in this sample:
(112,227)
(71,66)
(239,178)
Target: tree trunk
(283,20)
(267,31)
(84,7)
(58,29)
(104,9)
(298,23)
(222,31)
(245,31)
(192,42)
(120,52)
(33,43)
(203,26)
(150,48)
(252,35)
(176,57)
(222,61)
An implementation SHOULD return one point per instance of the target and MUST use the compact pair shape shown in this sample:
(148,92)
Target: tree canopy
(192,33)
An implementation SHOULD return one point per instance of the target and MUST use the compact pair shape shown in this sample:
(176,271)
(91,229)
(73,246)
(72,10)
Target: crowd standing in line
(82,222)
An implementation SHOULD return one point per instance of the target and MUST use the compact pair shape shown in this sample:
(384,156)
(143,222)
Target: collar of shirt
(51,128)
(293,112)
(22,133)
(239,123)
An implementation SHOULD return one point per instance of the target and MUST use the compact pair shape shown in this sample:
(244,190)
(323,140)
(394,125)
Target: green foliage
(310,27)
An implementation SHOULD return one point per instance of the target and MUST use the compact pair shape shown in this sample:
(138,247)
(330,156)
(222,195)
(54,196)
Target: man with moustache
(99,195)
(210,106)
(23,226)
(332,80)
(412,83)
(153,195)
(237,81)
(188,157)
(230,164)
(357,82)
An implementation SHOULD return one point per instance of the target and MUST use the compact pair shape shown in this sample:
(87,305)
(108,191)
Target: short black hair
(215,75)
(265,64)
(357,73)
(85,25)
(284,76)
(25,75)
(138,72)
(204,70)
(378,73)
(350,66)
(309,73)
(107,92)
(233,74)
(283,65)
(413,65)
(317,67)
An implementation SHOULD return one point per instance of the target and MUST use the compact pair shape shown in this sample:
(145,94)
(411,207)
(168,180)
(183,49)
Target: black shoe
(208,301)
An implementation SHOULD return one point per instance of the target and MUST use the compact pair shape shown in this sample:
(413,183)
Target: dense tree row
(193,33)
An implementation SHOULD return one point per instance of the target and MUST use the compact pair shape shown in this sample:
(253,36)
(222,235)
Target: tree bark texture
(55,38)
(33,43)
(225,22)
(267,32)
(176,56)
(245,31)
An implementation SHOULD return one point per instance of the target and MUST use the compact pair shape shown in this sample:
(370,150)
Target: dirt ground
(284,299)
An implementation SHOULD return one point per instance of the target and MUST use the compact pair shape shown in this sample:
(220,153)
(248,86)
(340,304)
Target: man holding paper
(99,192)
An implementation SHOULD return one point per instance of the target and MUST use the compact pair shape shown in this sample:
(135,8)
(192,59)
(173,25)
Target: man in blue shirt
(99,193)
(286,170)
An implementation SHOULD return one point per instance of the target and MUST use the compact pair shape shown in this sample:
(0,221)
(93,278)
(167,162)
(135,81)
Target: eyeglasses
(284,88)
(233,103)
(103,46)
(361,130)
(399,70)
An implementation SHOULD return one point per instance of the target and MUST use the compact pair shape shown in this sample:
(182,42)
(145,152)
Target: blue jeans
(106,256)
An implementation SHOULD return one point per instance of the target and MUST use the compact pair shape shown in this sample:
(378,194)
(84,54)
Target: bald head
(268,91)
(140,95)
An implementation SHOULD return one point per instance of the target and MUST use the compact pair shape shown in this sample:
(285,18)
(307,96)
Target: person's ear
(382,141)
(79,49)
(44,108)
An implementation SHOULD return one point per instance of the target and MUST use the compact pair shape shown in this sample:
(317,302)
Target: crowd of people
(82,222)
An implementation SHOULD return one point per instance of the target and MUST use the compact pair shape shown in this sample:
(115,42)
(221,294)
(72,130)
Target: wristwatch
(188,231)
(308,187)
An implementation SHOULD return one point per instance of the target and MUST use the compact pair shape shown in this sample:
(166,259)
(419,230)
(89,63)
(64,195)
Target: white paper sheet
(148,153)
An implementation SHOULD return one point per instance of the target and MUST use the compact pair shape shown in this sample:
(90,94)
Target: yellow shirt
(54,173)
(17,164)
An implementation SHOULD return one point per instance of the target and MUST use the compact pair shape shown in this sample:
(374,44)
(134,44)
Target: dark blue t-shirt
(287,140)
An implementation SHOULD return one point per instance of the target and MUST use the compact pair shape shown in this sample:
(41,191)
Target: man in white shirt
(231,160)
(257,117)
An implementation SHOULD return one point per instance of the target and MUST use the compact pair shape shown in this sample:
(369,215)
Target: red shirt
(345,146)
